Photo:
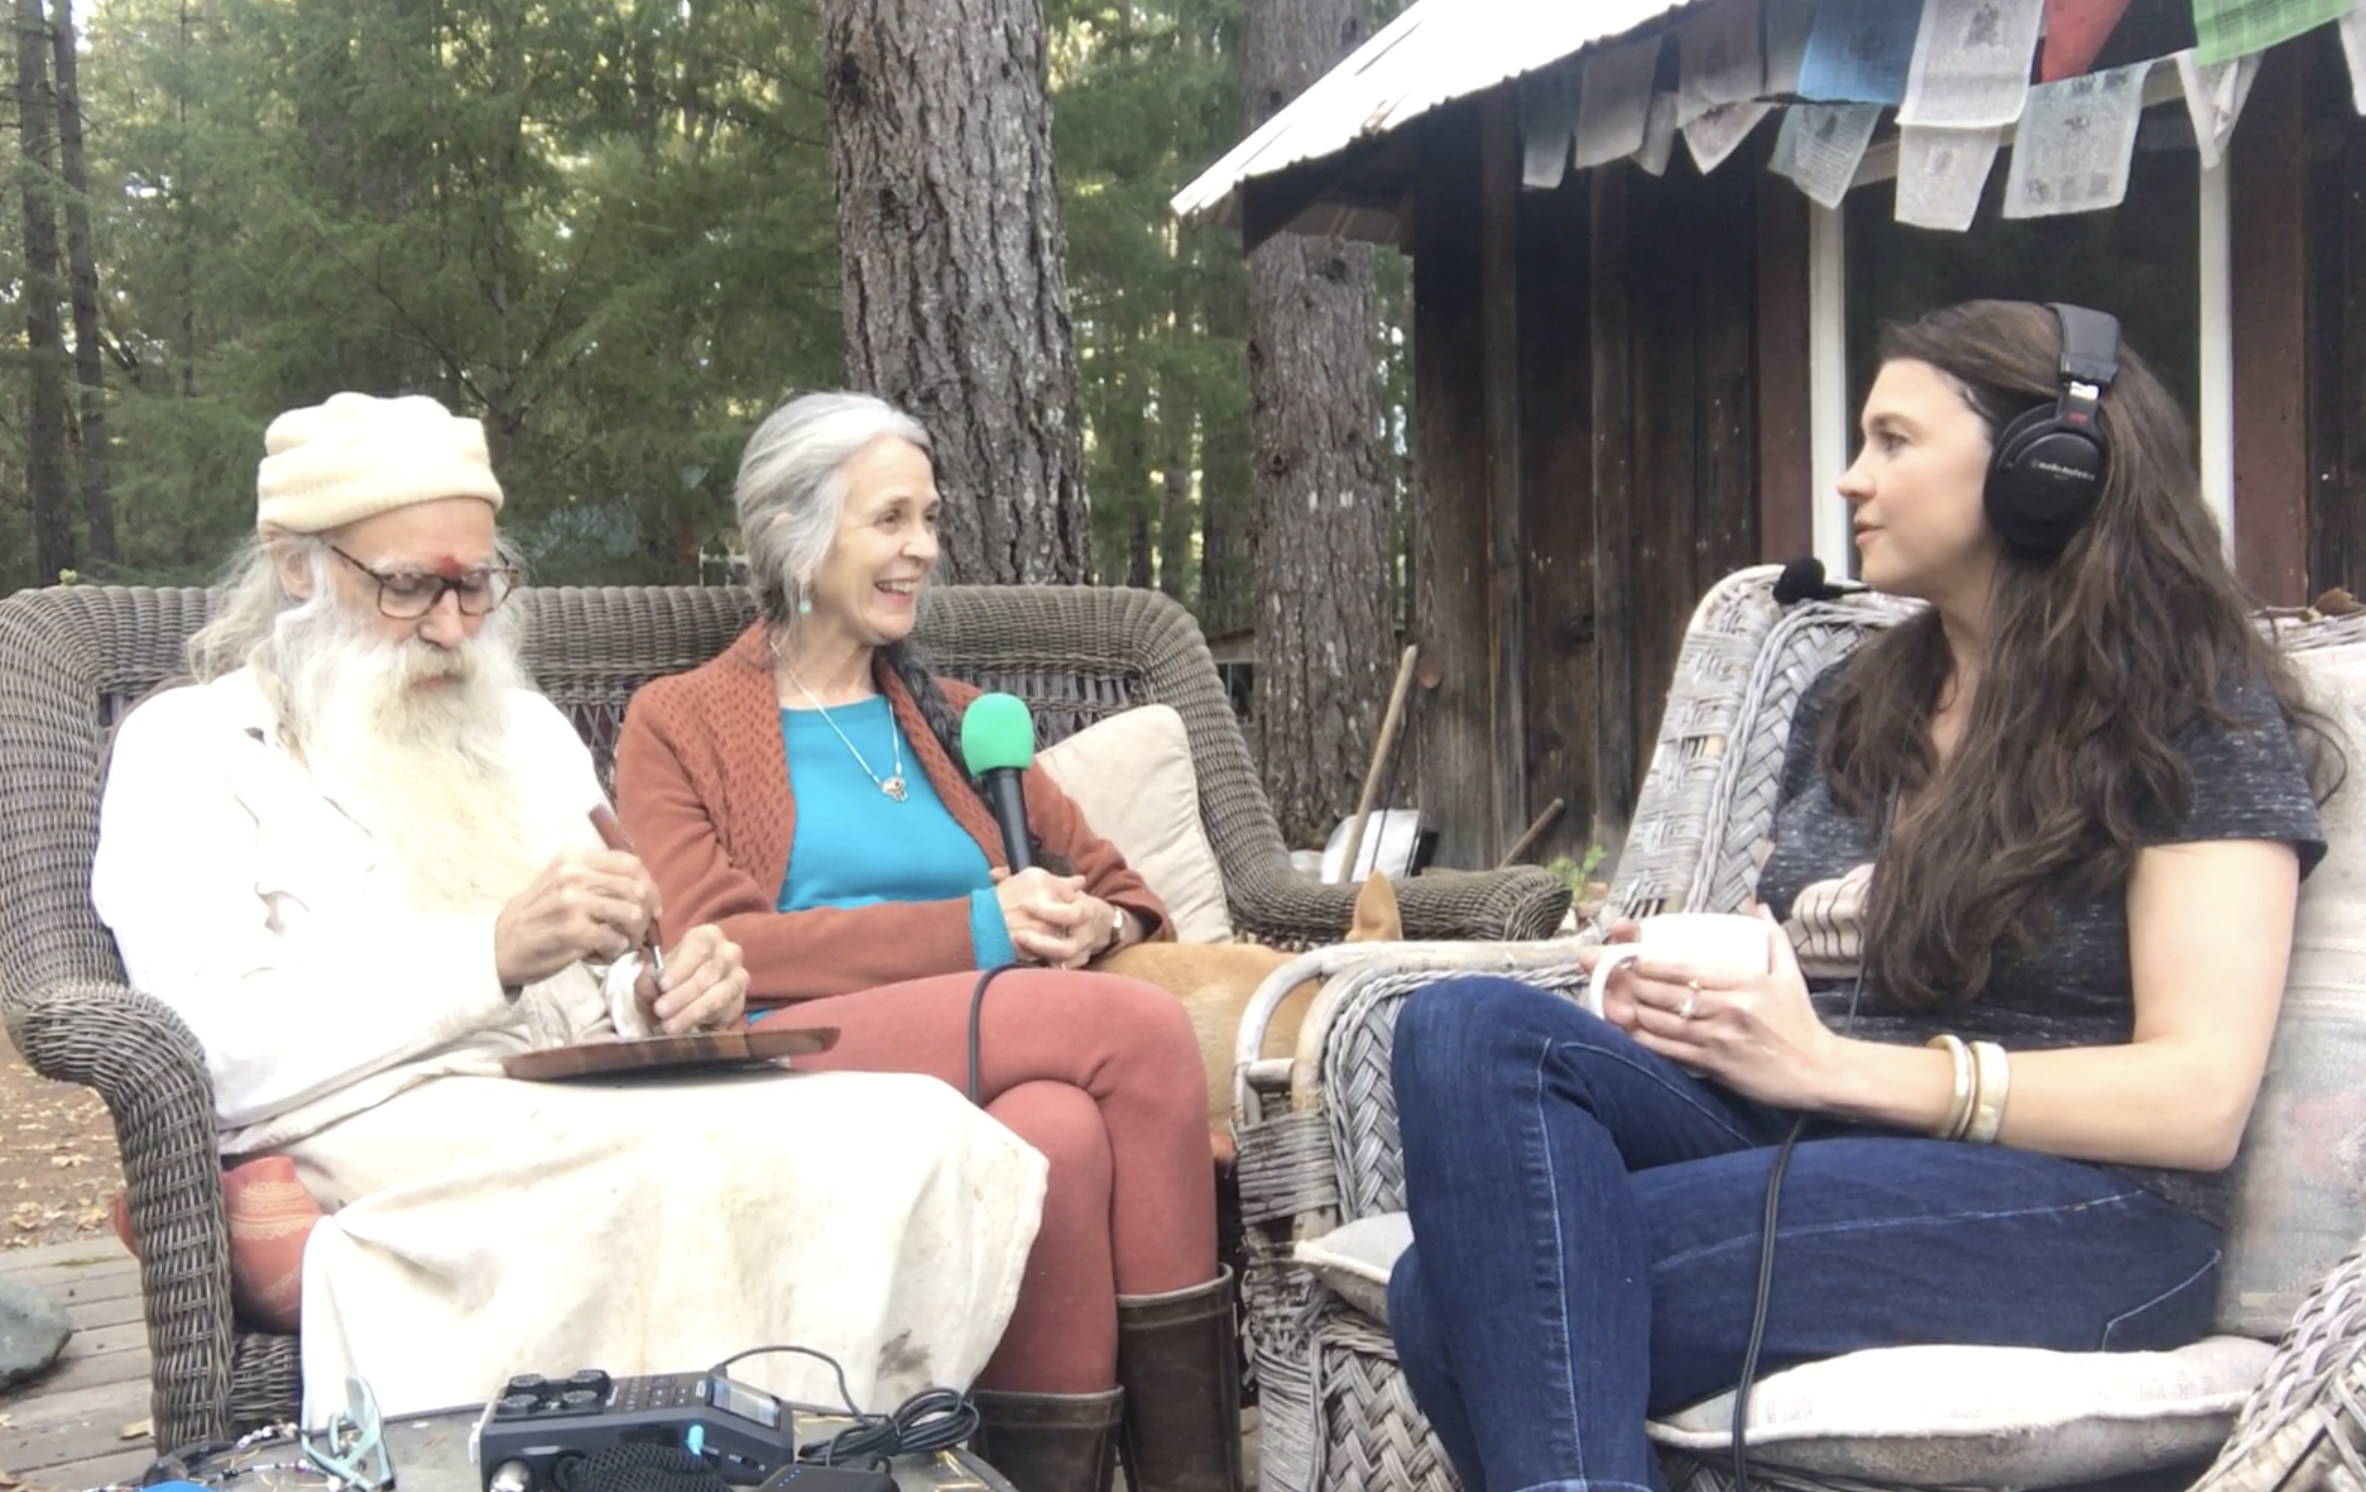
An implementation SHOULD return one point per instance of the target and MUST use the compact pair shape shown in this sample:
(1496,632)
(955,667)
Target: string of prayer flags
(2214,100)
(1659,135)
(1820,147)
(1721,63)
(1548,123)
(2075,142)
(1614,103)
(1787,25)
(2226,29)
(1971,63)
(2075,33)
(2353,47)
(1859,52)
(1716,134)
(1941,174)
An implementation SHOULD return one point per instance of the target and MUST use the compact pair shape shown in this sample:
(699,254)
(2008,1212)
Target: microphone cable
(1774,1194)
(977,1009)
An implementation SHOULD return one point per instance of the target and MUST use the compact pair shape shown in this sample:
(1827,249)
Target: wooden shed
(1628,384)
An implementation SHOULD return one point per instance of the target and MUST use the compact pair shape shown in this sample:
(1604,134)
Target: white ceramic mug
(1729,944)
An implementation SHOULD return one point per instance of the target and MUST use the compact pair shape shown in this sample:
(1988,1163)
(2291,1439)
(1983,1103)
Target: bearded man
(355,856)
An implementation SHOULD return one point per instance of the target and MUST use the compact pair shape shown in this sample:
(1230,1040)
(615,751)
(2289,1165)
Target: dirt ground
(57,1158)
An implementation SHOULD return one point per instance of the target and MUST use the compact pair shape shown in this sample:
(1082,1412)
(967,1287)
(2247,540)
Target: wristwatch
(1116,930)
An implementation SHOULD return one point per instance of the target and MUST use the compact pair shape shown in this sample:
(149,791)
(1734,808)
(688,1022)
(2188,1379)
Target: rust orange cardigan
(702,783)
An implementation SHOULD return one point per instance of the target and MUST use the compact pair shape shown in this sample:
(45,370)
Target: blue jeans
(1587,1220)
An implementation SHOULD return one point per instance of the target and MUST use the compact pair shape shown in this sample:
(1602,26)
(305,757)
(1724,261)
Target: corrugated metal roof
(1434,53)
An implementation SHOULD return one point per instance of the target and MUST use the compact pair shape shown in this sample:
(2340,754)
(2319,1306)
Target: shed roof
(1437,51)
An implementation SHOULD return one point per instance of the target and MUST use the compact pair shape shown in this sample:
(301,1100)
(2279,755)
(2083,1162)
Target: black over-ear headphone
(2048,465)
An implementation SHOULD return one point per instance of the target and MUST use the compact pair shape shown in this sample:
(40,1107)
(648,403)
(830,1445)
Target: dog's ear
(1376,919)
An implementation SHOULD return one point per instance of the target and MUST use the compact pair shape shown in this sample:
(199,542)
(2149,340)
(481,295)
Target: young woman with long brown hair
(2055,825)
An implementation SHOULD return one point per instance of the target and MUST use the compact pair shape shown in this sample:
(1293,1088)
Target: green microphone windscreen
(996,731)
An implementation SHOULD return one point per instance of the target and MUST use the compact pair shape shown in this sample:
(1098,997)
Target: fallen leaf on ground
(138,1429)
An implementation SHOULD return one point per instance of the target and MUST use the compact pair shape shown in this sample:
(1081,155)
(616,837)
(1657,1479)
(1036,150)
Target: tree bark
(1325,645)
(1175,529)
(952,268)
(98,506)
(45,367)
(1227,541)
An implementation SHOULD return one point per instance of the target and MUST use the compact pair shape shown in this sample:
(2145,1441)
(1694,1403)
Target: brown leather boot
(1177,1360)
(1049,1442)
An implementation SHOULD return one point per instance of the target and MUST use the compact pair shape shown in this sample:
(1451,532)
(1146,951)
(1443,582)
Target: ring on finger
(1692,1000)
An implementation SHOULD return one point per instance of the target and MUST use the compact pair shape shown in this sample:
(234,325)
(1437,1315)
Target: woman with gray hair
(801,792)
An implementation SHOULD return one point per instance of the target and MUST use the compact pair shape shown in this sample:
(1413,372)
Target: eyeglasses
(407,595)
(351,1449)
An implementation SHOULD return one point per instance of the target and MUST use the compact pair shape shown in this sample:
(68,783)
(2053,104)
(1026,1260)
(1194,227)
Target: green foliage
(1145,97)
(1581,871)
(605,227)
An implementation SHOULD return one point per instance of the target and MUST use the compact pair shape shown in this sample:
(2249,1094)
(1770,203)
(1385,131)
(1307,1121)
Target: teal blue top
(855,846)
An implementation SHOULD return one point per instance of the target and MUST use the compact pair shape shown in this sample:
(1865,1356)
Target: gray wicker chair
(71,659)
(1317,1134)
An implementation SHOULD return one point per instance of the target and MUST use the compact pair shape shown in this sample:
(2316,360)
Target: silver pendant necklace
(892,785)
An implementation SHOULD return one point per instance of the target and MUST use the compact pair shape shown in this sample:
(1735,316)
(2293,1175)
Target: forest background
(606,227)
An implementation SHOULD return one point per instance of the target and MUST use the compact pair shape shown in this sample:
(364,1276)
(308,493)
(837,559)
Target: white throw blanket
(657,1226)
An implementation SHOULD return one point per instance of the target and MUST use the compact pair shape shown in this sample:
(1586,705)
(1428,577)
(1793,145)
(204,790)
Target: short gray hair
(791,490)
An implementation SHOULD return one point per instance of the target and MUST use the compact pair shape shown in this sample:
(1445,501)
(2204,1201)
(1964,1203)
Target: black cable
(933,1419)
(1774,1195)
(977,1008)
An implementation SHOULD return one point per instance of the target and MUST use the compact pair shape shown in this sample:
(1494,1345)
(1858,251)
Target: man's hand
(586,904)
(705,984)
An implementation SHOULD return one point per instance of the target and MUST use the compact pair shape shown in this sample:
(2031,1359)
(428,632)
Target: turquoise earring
(804,607)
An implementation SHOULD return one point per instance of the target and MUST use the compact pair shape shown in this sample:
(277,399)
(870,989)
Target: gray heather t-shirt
(2074,987)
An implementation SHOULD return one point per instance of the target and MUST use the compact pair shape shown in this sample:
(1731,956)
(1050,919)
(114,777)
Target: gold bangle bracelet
(1992,1079)
(1959,1101)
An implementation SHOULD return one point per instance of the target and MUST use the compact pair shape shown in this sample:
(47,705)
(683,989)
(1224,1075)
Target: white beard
(428,770)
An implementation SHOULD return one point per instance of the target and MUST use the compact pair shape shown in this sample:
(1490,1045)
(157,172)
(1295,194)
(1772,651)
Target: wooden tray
(668,1053)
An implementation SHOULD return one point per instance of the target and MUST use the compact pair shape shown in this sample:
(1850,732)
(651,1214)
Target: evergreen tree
(1325,643)
(953,267)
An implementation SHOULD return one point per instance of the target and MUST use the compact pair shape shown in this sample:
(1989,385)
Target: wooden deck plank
(64,1431)
(121,1468)
(87,1364)
(83,1277)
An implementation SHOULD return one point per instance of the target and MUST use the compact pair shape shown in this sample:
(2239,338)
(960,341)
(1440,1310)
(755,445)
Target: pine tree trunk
(98,506)
(1175,420)
(1227,544)
(1325,646)
(45,365)
(952,267)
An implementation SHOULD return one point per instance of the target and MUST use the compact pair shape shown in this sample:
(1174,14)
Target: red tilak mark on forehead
(447,566)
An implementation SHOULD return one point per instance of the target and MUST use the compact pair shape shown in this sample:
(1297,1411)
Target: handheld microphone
(997,744)
(1803,580)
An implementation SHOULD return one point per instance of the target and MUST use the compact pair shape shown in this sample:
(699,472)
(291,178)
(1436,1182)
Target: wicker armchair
(72,659)
(1318,1141)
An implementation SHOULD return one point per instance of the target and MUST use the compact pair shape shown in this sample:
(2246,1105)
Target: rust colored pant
(1101,1074)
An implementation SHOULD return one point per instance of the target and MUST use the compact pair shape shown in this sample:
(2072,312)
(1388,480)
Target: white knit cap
(335,463)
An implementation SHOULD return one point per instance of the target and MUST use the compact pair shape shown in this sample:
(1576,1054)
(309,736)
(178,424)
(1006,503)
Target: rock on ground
(33,1331)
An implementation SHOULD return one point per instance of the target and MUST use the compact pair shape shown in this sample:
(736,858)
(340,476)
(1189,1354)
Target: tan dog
(1215,981)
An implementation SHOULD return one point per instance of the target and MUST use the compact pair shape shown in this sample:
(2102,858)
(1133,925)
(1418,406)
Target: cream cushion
(2300,1179)
(1921,1416)
(1989,1416)
(1131,776)
(1354,1259)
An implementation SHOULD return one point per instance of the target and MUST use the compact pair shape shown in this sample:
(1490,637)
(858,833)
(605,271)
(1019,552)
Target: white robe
(482,1227)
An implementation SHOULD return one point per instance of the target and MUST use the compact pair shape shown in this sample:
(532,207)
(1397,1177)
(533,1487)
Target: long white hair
(413,738)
